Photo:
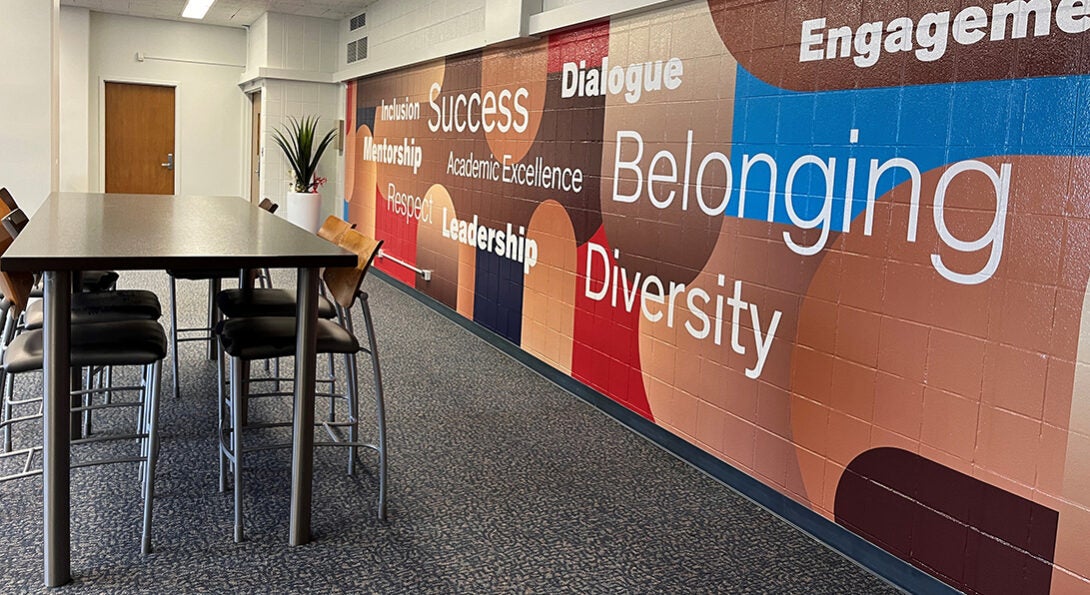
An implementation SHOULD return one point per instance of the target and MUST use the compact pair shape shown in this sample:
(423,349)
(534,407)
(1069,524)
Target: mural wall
(844,247)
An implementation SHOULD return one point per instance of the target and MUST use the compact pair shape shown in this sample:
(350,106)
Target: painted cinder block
(854,269)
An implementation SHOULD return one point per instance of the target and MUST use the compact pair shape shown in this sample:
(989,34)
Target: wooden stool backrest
(15,285)
(7,201)
(344,282)
(268,205)
(14,222)
(333,229)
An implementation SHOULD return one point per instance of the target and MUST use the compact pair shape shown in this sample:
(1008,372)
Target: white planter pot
(304,209)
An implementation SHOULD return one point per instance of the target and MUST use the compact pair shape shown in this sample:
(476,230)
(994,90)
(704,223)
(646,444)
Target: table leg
(302,453)
(75,430)
(246,278)
(56,418)
(214,314)
(246,287)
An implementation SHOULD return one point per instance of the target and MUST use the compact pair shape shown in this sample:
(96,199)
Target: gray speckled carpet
(500,482)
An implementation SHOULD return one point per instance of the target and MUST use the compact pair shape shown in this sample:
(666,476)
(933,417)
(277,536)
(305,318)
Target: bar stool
(268,301)
(235,302)
(264,278)
(215,279)
(7,200)
(129,343)
(245,339)
(89,306)
(120,343)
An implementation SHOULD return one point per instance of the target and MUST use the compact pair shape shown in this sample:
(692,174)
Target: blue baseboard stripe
(866,554)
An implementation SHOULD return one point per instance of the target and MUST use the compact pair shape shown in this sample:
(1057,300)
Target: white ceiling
(232,13)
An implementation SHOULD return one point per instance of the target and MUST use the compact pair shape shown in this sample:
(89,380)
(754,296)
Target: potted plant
(298,140)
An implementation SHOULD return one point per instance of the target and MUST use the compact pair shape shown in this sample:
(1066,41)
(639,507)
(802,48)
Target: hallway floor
(500,482)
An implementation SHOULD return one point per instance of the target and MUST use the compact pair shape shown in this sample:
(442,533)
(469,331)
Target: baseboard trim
(864,553)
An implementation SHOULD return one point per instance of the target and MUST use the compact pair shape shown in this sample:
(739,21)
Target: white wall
(302,43)
(257,43)
(287,55)
(554,4)
(293,98)
(558,14)
(211,137)
(74,89)
(26,90)
(405,32)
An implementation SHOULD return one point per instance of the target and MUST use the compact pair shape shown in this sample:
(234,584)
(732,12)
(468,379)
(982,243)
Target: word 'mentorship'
(408,153)
(1009,20)
(658,302)
(667,186)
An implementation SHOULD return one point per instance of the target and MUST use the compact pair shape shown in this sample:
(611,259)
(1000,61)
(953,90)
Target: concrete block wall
(405,32)
(291,59)
(301,43)
(397,26)
(850,262)
(283,99)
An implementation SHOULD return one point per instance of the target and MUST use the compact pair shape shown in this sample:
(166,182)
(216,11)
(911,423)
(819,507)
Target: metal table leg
(75,431)
(56,418)
(214,315)
(302,453)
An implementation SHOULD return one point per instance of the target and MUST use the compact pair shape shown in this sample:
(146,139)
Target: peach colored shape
(548,298)
(969,368)
(698,388)
(681,237)
(526,67)
(362,202)
(435,252)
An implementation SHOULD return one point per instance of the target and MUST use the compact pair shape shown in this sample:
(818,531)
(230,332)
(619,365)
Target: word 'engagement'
(1008,20)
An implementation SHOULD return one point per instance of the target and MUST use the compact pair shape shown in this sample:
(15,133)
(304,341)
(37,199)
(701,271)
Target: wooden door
(255,148)
(140,152)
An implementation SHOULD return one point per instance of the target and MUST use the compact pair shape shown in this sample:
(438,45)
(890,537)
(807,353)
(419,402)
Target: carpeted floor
(500,483)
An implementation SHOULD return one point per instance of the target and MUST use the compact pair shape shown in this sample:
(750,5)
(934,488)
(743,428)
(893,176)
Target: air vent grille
(357,50)
(358,22)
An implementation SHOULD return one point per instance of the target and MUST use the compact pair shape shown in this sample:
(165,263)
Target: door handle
(170,161)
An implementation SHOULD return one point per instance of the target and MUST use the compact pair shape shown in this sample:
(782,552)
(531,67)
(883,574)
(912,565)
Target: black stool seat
(89,281)
(202,274)
(98,280)
(127,343)
(274,336)
(104,306)
(266,302)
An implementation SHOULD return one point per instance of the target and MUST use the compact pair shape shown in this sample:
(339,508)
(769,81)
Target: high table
(72,232)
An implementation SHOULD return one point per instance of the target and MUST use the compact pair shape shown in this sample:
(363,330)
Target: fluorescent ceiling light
(196,9)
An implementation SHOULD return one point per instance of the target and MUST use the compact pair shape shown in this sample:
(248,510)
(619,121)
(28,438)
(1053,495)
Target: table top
(79,231)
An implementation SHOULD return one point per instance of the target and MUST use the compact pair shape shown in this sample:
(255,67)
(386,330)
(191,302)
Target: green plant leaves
(296,139)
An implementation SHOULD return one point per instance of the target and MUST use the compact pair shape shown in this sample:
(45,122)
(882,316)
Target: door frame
(102,123)
(248,166)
